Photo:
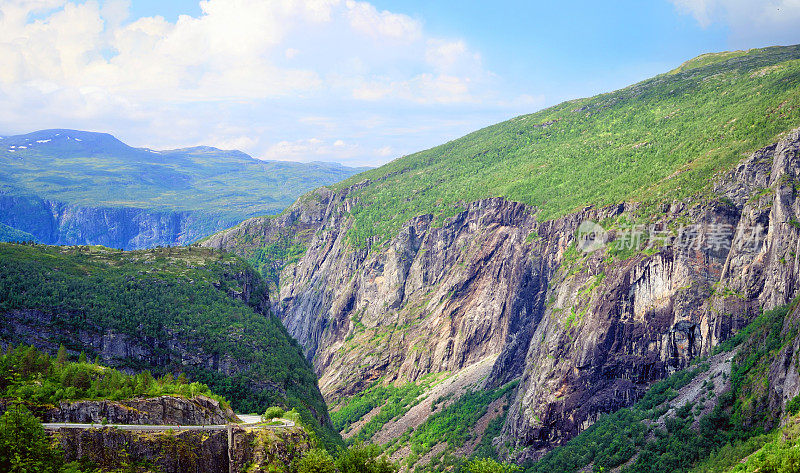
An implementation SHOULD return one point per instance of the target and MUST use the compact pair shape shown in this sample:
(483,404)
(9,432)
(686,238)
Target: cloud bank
(284,79)
(764,21)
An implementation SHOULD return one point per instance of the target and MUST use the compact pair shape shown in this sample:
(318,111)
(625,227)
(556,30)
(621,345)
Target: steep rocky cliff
(586,332)
(58,223)
(162,410)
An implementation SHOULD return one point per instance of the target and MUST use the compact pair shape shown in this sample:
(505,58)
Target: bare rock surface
(162,410)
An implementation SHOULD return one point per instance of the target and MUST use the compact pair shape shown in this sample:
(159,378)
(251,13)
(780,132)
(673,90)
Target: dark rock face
(587,332)
(162,410)
(111,449)
(57,223)
(187,451)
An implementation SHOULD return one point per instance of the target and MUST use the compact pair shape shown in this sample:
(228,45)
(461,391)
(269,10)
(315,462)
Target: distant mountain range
(77,187)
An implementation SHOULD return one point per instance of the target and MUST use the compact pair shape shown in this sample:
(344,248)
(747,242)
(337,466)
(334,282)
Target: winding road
(248,421)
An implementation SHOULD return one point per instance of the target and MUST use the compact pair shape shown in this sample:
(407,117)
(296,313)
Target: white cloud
(385,151)
(768,21)
(367,19)
(262,76)
(232,50)
(312,149)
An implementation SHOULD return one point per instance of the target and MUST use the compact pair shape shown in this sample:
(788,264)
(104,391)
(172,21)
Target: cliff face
(56,223)
(187,451)
(162,410)
(651,314)
(586,332)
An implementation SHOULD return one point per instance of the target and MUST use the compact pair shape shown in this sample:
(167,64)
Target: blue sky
(355,82)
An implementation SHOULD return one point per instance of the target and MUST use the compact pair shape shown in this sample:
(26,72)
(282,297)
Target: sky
(359,83)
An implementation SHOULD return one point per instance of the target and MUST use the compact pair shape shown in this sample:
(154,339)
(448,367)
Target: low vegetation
(392,400)
(450,429)
(29,375)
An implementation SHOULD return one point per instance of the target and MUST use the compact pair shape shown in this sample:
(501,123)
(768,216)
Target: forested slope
(169,310)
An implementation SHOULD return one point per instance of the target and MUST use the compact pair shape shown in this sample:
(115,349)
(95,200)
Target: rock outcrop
(187,451)
(57,223)
(162,410)
(586,331)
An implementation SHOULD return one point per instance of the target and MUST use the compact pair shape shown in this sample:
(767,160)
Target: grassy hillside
(163,298)
(658,140)
(97,170)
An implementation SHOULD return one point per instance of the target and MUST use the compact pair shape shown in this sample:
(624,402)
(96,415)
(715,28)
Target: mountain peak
(65,137)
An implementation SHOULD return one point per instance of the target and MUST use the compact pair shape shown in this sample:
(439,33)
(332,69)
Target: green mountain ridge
(214,188)
(661,139)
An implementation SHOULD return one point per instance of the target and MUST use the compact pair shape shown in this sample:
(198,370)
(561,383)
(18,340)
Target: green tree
(24,446)
(61,357)
(361,458)
(272,413)
(315,460)
(487,465)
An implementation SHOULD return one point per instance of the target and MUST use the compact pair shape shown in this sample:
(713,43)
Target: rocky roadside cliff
(585,331)
(162,410)
(254,450)
(57,223)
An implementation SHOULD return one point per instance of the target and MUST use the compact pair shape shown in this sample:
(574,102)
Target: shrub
(793,406)
(315,460)
(362,458)
(272,413)
(487,465)
(24,446)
